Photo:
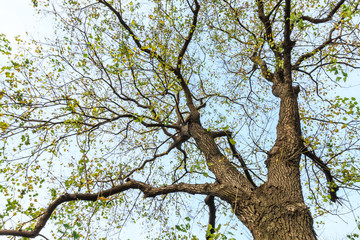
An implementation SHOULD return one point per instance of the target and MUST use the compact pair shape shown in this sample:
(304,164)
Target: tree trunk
(269,219)
(276,209)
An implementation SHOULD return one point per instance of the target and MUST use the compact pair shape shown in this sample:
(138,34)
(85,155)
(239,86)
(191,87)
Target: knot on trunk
(294,207)
(281,89)
(276,90)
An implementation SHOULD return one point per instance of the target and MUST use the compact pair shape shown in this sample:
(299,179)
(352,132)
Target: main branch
(148,190)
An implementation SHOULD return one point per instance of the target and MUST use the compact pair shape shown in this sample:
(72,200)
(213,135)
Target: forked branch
(177,69)
(269,35)
(131,32)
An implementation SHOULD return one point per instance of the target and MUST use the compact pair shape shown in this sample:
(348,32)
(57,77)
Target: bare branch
(307,55)
(241,160)
(132,34)
(238,21)
(152,53)
(333,188)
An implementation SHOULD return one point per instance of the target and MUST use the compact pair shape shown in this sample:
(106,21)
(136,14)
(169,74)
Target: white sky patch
(18,17)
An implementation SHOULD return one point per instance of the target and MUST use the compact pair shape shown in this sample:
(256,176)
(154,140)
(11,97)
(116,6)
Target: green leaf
(67,226)
(75,235)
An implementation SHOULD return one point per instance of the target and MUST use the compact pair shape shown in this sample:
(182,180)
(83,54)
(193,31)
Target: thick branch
(218,164)
(288,44)
(220,134)
(287,30)
(148,190)
(266,73)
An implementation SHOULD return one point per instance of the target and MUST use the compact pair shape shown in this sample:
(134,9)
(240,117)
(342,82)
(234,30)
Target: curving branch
(330,40)
(131,32)
(277,5)
(194,113)
(152,53)
(327,18)
(190,34)
(182,135)
(148,191)
(258,61)
(220,134)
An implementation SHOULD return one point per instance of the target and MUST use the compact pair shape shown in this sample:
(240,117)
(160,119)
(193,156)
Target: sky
(18,17)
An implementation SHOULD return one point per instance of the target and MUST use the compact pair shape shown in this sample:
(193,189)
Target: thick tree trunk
(273,220)
(276,209)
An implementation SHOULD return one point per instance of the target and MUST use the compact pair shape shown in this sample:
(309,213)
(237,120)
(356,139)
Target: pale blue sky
(17,17)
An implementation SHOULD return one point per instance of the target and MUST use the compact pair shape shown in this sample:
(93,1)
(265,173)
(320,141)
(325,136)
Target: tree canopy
(159,112)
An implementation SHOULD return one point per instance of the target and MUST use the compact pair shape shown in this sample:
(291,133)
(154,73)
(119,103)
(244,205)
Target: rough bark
(271,219)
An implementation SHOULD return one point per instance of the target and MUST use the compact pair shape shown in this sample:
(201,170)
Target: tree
(177,98)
